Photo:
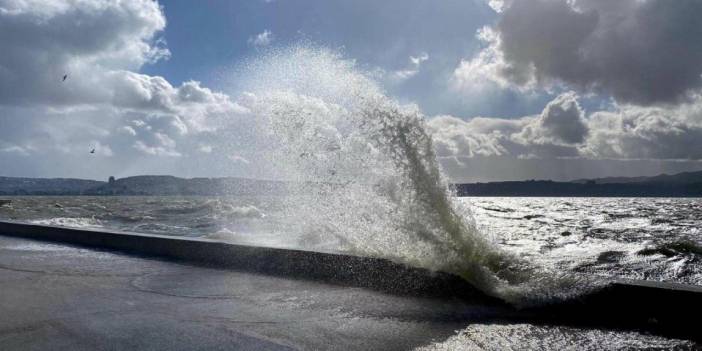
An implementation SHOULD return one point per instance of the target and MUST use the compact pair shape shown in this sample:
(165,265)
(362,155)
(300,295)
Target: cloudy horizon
(511,90)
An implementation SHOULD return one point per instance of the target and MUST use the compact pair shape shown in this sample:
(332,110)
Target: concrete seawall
(373,273)
(661,308)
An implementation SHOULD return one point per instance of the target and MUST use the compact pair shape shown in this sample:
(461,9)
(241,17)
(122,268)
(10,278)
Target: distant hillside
(688,184)
(41,186)
(549,188)
(139,185)
(679,178)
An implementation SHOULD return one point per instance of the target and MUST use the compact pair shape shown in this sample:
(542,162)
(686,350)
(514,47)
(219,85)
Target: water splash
(366,176)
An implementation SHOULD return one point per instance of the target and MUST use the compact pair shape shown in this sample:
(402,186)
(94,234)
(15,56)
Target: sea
(656,239)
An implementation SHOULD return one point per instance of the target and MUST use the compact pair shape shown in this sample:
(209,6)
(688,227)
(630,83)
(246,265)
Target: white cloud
(413,67)
(563,131)
(497,5)
(632,132)
(261,39)
(99,46)
(128,130)
(156,150)
(92,42)
(488,69)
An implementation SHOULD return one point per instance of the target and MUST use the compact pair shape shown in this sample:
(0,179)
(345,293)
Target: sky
(510,90)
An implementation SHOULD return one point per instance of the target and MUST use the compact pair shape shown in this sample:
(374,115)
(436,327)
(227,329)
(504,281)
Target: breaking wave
(366,176)
(80,222)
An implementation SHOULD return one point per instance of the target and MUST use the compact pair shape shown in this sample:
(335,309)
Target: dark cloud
(562,123)
(639,51)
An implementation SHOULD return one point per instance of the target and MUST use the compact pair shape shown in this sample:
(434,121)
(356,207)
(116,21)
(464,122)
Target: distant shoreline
(684,185)
(570,189)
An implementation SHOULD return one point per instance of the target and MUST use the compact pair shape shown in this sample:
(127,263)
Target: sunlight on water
(531,337)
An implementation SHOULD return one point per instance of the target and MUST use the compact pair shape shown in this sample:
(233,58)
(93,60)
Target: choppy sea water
(642,238)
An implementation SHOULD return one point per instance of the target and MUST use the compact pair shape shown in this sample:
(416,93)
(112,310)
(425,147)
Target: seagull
(92,151)
(64,77)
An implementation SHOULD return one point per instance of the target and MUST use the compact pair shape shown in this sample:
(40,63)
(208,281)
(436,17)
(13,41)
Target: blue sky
(209,40)
(509,89)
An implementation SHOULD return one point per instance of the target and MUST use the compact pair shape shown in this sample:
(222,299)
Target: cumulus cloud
(128,130)
(562,123)
(261,39)
(99,46)
(633,132)
(156,150)
(563,130)
(488,69)
(454,137)
(556,132)
(91,42)
(497,5)
(639,51)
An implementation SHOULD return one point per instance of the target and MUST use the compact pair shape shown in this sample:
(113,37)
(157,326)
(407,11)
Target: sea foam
(366,176)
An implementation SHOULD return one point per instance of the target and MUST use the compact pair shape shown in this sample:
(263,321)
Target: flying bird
(64,77)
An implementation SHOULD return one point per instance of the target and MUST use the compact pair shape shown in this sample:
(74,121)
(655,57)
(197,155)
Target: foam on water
(81,222)
(367,178)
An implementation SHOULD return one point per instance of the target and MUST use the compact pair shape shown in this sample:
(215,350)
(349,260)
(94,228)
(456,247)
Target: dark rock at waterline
(498,209)
(657,251)
(661,221)
(672,249)
(4,202)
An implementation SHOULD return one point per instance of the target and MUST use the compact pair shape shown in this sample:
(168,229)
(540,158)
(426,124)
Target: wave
(218,207)
(79,222)
(368,176)
(235,212)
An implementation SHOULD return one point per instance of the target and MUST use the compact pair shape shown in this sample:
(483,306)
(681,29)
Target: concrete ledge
(365,272)
(662,308)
